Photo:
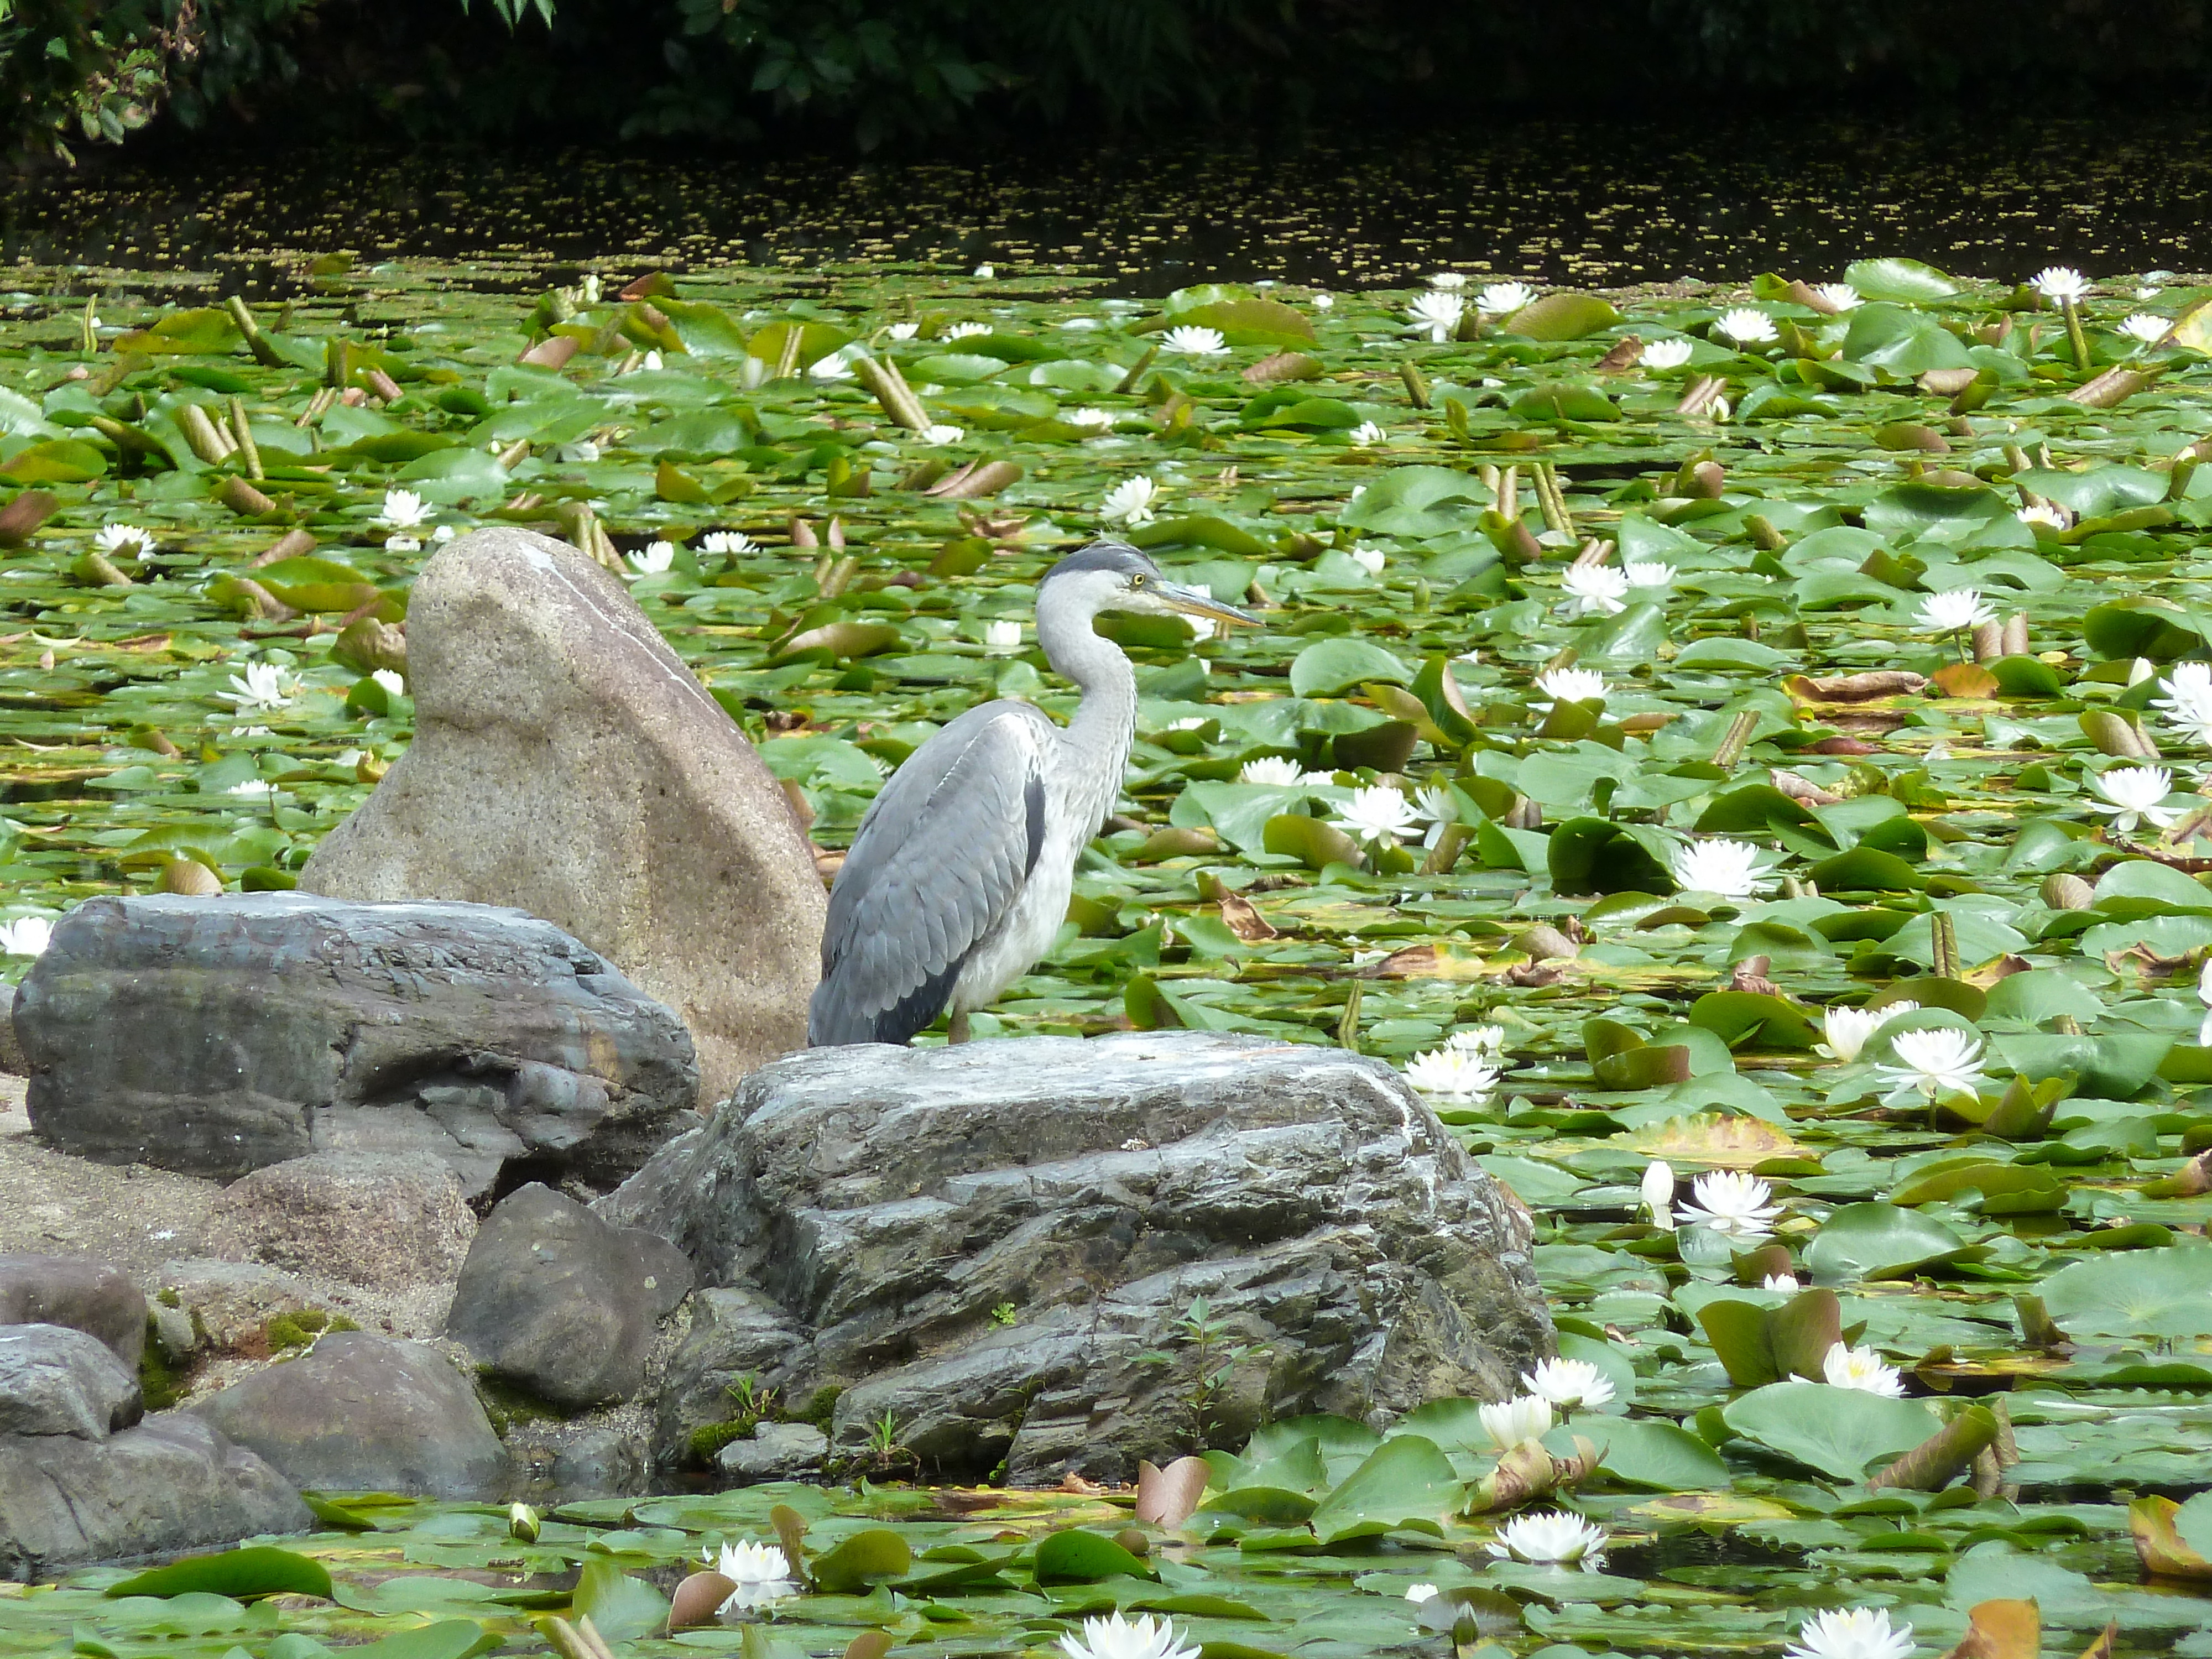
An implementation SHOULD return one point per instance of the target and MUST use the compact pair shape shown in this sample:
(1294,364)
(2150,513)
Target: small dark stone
(11,1051)
(363,1412)
(994,1244)
(215,1036)
(77,1291)
(777,1451)
(171,1484)
(54,1380)
(554,1299)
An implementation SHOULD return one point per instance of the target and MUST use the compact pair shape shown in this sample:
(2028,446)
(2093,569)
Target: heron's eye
(1136,581)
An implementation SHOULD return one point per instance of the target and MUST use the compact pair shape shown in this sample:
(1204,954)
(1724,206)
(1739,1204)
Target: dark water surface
(1594,203)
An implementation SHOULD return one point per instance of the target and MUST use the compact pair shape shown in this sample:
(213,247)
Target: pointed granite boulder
(567,761)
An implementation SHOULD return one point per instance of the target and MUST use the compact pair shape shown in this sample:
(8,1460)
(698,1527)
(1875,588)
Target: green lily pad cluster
(1757,731)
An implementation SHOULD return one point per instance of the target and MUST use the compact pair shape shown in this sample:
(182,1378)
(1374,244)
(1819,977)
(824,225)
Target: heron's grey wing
(938,860)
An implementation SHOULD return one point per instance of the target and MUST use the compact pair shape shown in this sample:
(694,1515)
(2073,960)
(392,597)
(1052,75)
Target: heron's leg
(956,1030)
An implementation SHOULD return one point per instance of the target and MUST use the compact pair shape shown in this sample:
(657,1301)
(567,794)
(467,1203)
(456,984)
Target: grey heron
(959,876)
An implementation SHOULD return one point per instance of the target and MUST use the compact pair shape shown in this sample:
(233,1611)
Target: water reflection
(1598,203)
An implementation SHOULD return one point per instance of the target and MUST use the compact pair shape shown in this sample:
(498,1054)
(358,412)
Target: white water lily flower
(1115,1638)
(1657,1190)
(1599,589)
(1092,420)
(1366,433)
(25,936)
(2204,996)
(1195,342)
(835,367)
(443,533)
(1378,814)
(1730,1203)
(1570,684)
(2145,327)
(986,272)
(260,687)
(1450,281)
(1842,296)
(402,510)
(1002,633)
(653,559)
(2060,283)
(1953,609)
(1418,1594)
(1726,868)
(1370,559)
(1567,1382)
(1201,629)
(1451,1074)
(1848,1029)
(761,1573)
(393,683)
(127,540)
(941,433)
(1861,1369)
(1273,770)
(1323,301)
(1665,354)
(259,788)
(1438,313)
(1743,326)
(1785,1283)
(1524,1417)
(1933,1064)
(1485,1039)
(1130,501)
(966,330)
(1503,299)
(2188,701)
(1851,1633)
(726,541)
(2047,513)
(2132,793)
(1647,573)
(903,330)
(1437,809)
(1552,1539)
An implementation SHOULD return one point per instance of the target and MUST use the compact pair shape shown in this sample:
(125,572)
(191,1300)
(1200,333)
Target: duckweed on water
(1773,753)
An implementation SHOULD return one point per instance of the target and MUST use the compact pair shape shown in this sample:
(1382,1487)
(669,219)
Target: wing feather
(937,863)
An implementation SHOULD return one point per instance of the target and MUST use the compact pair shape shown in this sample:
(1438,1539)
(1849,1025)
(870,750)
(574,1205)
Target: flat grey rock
(566,761)
(215,1036)
(557,1300)
(77,1291)
(54,1380)
(777,1451)
(379,1220)
(172,1484)
(886,1211)
(362,1412)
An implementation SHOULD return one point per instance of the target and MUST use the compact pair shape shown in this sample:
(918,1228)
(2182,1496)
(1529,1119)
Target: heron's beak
(1197,602)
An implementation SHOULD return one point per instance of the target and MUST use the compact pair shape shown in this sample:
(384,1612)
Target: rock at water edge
(77,1291)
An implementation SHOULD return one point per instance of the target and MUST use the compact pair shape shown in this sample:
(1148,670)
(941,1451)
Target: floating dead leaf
(975,480)
(1439,960)
(552,352)
(1800,789)
(696,1599)
(1750,974)
(1854,688)
(1082,1488)
(1280,365)
(1625,355)
(1995,969)
(1170,1496)
(1727,1143)
(1966,679)
(869,1644)
(2001,1629)
(1713,1509)
(25,514)
(2158,1543)
(2115,386)
(1243,918)
(1839,746)
(1946,382)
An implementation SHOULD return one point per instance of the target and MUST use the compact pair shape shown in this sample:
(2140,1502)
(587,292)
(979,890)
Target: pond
(1647,683)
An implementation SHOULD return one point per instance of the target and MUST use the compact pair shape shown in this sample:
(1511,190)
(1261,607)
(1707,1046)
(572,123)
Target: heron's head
(1114,576)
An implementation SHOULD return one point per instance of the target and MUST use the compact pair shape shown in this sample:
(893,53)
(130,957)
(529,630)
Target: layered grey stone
(218,1034)
(54,1380)
(77,1291)
(881,1211)
(565,760)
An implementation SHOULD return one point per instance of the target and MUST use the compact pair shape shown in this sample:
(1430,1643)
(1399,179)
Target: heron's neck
(1097,741)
